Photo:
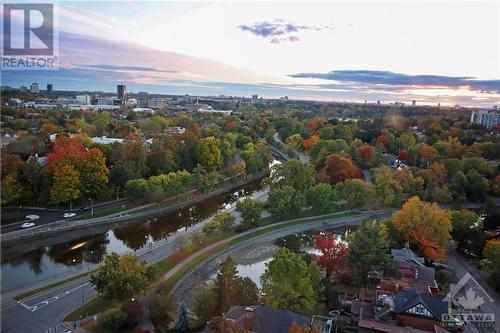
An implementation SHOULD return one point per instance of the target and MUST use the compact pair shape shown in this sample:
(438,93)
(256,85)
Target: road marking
(52,299)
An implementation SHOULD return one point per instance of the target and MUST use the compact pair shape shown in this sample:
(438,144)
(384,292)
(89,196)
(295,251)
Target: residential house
(263,319)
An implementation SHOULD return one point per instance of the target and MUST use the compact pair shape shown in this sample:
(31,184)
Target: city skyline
(428,52)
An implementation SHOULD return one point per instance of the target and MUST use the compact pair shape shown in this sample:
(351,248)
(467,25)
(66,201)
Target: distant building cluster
(487,118)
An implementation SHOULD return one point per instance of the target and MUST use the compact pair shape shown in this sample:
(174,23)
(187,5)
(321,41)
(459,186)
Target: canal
(32,261)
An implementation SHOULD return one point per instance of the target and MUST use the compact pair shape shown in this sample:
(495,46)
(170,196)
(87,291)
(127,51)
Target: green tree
(181,323)
(205,304)
(11,189)
(284,201)
(387,187)
(458,185)
(287,283)
(65,185)
(250,210)
(320,196)
(293,173)
(467,230)
(209,154)
(121,277)
(368,250)
(356,192)
(478,186)
(111,320)
(221,223)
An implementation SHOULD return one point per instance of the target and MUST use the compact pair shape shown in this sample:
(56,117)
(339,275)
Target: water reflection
(30,261)
(301,243)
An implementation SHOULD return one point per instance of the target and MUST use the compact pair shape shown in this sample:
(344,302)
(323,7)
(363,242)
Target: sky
(431,52)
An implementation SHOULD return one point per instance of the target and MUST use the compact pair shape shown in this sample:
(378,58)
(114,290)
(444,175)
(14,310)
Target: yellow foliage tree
(425,225)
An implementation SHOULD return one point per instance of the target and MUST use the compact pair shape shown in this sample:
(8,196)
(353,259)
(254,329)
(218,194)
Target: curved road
(47,309)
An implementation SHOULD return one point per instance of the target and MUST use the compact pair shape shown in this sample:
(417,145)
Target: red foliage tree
(366,152)
(338,168)
(403,155)
(333,255)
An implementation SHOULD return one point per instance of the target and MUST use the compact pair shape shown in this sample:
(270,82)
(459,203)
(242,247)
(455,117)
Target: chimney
(248,319)
(263,299)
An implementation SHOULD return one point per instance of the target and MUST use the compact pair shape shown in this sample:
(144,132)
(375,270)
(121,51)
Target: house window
(419,310)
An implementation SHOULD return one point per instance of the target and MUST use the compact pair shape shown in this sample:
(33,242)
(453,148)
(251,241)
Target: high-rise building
(121,91)
(414,103)
(23,88)
(487,118)
(35,89)
(254,98)
(50,88)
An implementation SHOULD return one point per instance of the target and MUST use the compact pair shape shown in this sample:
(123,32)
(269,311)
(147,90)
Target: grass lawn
(100,304)
(96,305)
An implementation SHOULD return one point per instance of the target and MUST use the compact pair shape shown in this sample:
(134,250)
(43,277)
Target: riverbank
(119,219)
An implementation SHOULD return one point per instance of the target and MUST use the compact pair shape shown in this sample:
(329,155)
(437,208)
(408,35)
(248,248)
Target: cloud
(398,79)
(130,68)
(280,31)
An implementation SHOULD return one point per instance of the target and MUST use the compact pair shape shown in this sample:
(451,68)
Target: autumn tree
(82,171)
(427,153)
(368,250)
(308,143)
(65,184)
(296,328)
(334,252)
(491,249)
(366,152)
(338,168)
(425,225)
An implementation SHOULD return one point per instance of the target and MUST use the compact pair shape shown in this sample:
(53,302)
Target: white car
(32,217)
(68,215)
(27,225)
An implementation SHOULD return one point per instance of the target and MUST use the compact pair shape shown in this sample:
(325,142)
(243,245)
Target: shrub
(111,320)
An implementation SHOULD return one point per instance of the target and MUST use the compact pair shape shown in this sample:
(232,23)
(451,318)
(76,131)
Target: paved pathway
(328,222)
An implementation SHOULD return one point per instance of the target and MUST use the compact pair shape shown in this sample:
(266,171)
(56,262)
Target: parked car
(27,225)
(68,215)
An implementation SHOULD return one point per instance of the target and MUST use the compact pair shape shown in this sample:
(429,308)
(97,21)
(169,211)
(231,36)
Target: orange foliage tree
(296,328)
(425,225)
(491,249)
(366,152)
(427,153)
(308,143)
(90,165)
(338,168)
